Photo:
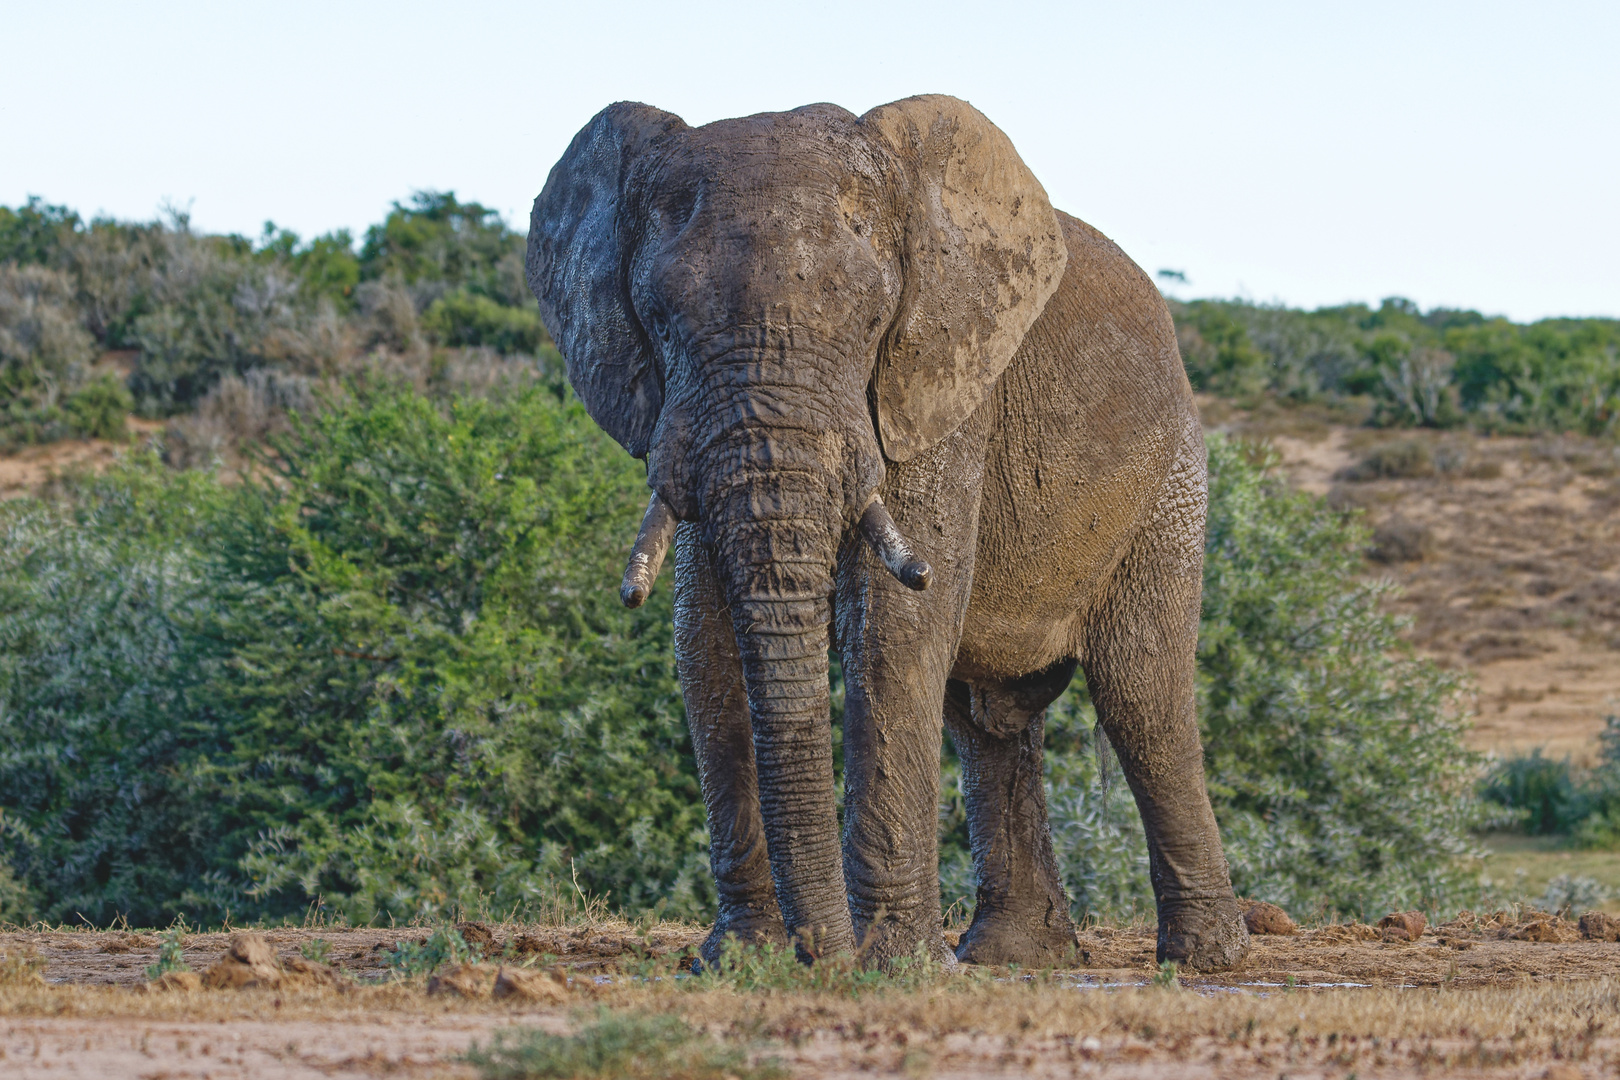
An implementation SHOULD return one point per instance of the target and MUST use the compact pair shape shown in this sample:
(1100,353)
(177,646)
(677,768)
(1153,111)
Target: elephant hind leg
(1141,657)
(1021,915)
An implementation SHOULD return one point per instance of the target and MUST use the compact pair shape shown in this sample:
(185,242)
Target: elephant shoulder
(1106,333)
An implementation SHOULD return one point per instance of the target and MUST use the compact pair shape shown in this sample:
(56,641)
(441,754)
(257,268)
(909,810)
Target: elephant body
(901,408)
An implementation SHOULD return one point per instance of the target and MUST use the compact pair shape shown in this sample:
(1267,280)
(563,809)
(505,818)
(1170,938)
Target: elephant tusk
(652,542)
(887,543)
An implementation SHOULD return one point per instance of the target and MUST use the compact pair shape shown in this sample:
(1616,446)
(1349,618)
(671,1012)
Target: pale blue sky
(1461,154)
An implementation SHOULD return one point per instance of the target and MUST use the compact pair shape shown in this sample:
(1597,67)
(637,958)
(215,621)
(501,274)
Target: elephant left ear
(983,253)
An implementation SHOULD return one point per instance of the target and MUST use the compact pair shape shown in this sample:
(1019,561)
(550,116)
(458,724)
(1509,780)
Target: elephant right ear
(576,269)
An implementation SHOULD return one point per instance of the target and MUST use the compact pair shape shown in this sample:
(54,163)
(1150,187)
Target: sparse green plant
(746,967)
(1571,894)
(615,1045)
(316,950)
(1167,977)
(445,945)
(171,952)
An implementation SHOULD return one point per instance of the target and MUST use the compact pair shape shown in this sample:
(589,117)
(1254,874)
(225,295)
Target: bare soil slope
(1507,551)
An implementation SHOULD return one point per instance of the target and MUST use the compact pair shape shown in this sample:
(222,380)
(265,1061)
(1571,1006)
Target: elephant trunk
(783,646)
(773,514)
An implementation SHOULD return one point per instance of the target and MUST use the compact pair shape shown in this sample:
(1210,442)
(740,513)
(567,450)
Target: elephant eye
(660,327)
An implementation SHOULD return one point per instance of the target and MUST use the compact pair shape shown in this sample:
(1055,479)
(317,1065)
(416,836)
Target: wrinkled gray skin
(787,313)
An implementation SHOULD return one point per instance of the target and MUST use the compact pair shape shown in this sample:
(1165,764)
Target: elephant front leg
(1021,912)
(893,690)
(723,743)
(898,647)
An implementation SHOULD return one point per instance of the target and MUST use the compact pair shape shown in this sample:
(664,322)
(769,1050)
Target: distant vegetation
(1552,797)
(226,333)
(1441,368)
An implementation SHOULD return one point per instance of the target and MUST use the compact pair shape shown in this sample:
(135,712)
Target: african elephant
(893,403)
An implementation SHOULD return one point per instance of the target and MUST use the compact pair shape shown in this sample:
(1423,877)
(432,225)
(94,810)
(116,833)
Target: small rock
(526,984)
(1596,926)
(175,982)
(248,962)
(479,937)
(463,980)
(1263,918)
(1402,925)
(1090,1045)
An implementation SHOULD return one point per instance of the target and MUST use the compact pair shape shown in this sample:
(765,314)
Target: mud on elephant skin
(892,403)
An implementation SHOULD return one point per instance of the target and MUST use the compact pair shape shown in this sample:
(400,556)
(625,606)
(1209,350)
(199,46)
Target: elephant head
(768,310)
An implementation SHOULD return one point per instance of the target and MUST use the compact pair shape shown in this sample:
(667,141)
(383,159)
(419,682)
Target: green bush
(198,309)
(1543,797)
(463,318)
(35,231)
(326,267)
(438,239)
(98,409)
(44,353)
(393,674)
(1541,791)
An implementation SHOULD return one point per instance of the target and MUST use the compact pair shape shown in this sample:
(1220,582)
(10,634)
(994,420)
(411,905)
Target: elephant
(892,403)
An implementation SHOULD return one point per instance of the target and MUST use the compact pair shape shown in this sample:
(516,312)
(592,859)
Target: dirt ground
(1467,998)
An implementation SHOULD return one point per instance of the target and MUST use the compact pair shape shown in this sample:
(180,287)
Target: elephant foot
(1030,941)
(887,944)
(747,927)
(1203,935)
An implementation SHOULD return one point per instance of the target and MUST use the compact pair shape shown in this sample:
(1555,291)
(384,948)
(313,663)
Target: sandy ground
(112,1046)
(1466,999)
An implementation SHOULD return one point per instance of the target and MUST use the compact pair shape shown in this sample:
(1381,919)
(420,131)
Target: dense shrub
(437,240)
(392,674)
(45,353)
(463,318)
